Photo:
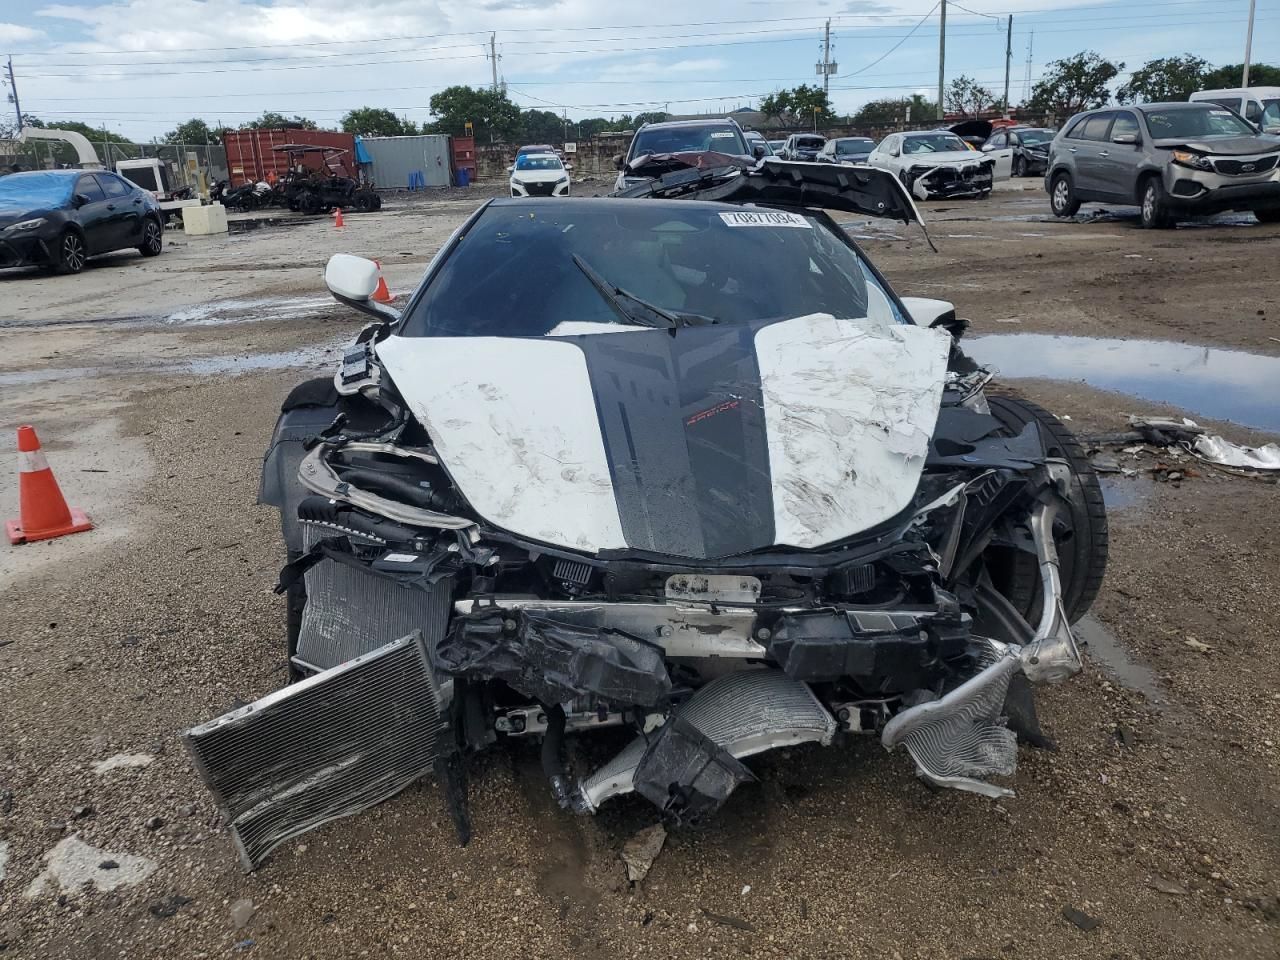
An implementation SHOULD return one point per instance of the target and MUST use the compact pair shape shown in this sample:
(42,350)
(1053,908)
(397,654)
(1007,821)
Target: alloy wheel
(1060,195)
(151,237)
(73,252)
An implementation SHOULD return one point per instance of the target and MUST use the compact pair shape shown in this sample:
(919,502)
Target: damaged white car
(935,165)
(682,474)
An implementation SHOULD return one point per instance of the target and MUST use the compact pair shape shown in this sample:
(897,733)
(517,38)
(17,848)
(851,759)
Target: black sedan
(60,218)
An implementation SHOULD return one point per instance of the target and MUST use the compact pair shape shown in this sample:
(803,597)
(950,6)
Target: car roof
(547,204)
(689,123)
(1198,105)
(52,173)
(540,155)
(842,139)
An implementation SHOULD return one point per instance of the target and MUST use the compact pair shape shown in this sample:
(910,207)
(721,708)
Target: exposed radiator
(350,611)
(332,745)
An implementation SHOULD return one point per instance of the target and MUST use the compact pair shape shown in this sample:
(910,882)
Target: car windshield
(719,137)
(1035,136)
(520,272)
(1196,122)
(810,143)
(35,189)
(531,162)
(933,143)
(854,146)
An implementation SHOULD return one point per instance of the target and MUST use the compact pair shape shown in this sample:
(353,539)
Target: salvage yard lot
(1149,834)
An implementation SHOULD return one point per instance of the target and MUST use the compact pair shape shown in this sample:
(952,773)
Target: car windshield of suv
(1206,122)
(1035,136)
(1270,114)
(933,143)
(521,272)
(695,138)
(853,146)
(531,162)
(809,143)
(35,189)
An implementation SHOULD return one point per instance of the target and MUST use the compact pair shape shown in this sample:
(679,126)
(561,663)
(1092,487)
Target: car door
(124,208)
(1118,163)
(1000,150)
(92,214)
(882,155)
(1087,140)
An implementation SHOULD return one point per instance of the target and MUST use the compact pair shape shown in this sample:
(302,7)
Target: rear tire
(1080,531)
(1155,206)
(70,254)
(1268,216)
(308,203)
(1019,166)
(1062,196)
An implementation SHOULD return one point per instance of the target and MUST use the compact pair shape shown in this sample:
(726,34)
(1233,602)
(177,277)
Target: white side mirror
(927,312)
(351,278)
(511,168)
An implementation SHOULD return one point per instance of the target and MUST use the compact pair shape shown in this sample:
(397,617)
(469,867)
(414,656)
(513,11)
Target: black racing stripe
(682,420)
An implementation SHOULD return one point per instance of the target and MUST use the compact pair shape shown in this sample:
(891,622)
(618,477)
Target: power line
(894,47)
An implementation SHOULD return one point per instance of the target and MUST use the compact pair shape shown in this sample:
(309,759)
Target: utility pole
(1248,47)
(826,67)
(493,59)
(942,54)
(13,85)
(1008,62)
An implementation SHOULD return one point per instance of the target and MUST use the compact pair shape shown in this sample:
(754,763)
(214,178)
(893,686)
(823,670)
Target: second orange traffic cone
(44,513)
(337,217)
(381,293)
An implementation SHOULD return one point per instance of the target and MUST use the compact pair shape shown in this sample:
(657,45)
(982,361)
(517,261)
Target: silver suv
(1172,159)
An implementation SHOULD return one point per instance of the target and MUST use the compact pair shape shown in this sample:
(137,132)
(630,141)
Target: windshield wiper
(632,309)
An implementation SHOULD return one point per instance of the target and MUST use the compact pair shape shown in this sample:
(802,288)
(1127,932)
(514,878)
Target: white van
(1260,105)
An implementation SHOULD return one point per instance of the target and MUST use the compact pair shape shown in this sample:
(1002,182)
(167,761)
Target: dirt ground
(1150,833)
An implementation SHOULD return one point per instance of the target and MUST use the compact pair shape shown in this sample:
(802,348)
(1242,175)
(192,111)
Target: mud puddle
(237,227)
(314,355)
(1243,388)
(1106,650)
(213,313)
(1125,493)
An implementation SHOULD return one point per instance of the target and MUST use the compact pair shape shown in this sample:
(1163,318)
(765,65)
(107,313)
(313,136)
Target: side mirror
(353,281)
(926,312)
(1126,139)
(79,200)
(511,167)
(618,162)
(759,150)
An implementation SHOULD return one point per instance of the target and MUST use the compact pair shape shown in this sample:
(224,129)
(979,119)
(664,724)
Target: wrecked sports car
(685,475)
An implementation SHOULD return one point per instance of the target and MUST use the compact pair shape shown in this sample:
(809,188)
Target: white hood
(715,441)
(947,158)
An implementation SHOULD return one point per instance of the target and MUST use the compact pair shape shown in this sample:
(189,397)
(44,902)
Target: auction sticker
(765,218)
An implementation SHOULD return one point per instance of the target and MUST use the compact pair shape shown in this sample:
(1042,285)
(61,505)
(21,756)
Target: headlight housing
(516,182)
(32,224)
(1196,161)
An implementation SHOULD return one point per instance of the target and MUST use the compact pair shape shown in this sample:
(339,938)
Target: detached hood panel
(709,444)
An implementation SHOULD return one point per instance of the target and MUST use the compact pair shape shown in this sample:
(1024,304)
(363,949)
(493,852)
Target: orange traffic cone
(337,217)
(44,512)
(381,293)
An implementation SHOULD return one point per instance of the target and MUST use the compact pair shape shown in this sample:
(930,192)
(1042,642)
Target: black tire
(1080,532)
(1019,166)
(1268,216)
(1062,196)
(70,254)
(152,238)
(309,203)
(1154,205)
(377,201)
(295,599)
(364,201)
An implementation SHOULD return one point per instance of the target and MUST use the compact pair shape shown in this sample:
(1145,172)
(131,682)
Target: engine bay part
(324,748)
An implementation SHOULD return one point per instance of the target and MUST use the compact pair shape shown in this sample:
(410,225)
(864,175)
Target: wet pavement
(1232,385)
(1115,661)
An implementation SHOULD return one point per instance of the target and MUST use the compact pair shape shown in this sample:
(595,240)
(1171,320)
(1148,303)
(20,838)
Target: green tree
(377,122)
(883,113)
(1074,84)
(655,116)
(1165,80)
(194,130)
(273,120)
(541,126)
(798,105)
(967,97)
(776,105)
(593,125)
(1232,75)
(492,115)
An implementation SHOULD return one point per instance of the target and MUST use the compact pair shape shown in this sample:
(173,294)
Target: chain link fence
(186,161)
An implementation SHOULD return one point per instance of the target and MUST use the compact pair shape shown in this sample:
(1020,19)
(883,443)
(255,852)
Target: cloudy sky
(141,66)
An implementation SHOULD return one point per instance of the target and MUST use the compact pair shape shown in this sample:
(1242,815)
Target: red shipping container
(464,155)
(251,155)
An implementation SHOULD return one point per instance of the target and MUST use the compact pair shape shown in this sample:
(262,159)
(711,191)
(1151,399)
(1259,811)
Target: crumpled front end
(949,181)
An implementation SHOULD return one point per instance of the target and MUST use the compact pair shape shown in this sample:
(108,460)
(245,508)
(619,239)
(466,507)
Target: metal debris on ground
(726,921)
(1081,919)
(1173,889)
(641,850)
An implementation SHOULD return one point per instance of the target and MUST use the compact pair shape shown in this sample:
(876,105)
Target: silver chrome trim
(1052,654)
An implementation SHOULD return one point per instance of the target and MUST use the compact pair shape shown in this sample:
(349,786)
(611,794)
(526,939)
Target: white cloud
(16,33)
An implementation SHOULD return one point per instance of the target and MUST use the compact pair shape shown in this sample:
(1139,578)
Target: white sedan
(935,164)
(539,175)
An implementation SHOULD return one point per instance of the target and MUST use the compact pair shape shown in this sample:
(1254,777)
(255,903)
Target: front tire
(70,254)
(1062,197)
(1019,166)
(1268,216)
(1080,532)
(152,238)
(1155,206)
